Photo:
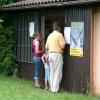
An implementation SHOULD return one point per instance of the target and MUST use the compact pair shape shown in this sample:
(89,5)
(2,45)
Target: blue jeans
(38,66)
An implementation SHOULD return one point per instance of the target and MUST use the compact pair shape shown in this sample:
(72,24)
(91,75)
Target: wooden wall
(76,69)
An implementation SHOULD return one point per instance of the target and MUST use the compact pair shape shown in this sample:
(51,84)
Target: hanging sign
(77,39)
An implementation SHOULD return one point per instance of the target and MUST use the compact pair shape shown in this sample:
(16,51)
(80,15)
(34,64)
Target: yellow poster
(76,52)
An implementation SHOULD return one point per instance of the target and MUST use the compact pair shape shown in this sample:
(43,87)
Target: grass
(14,88)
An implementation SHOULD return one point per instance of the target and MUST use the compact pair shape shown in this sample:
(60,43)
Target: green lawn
(12,88)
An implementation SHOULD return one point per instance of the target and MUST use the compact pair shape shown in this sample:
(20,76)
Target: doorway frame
(43,25)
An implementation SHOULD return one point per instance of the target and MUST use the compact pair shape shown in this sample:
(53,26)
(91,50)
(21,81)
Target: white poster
(77,39)
(31,28)
(67,31)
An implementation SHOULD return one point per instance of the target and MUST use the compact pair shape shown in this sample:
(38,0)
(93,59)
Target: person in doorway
(47,69)
(55,44)
(37,54)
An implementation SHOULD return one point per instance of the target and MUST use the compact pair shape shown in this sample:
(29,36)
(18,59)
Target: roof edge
(58,4)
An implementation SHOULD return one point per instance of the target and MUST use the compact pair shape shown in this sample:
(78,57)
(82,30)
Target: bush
(4,2)
(7,57)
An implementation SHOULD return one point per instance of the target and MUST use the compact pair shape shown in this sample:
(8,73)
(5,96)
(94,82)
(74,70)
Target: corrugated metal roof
(43,3)
(33,2)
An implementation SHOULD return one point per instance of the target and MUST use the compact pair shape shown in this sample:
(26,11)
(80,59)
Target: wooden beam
(91,55)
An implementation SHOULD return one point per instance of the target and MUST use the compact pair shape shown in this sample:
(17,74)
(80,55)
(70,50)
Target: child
(47,69)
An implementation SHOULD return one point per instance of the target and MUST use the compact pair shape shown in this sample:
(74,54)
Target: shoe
(37,85)
(46,88)
(54,91)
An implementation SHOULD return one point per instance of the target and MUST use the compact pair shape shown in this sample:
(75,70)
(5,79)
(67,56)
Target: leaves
(4,2)
(7,57)
(1,20)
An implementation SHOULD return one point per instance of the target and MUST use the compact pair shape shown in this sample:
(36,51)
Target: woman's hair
(37,34)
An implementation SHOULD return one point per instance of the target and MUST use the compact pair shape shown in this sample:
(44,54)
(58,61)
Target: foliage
(3,2)
(7,57)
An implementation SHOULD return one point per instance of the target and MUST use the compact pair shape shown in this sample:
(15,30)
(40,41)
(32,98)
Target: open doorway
(49,20)
(47,27)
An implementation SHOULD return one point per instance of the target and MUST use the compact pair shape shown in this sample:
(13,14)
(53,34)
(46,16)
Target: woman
(37,54)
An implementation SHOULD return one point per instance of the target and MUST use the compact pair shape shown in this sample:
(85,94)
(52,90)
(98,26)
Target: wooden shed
(80,73)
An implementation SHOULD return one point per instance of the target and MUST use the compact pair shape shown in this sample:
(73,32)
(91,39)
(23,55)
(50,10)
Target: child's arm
(43,58)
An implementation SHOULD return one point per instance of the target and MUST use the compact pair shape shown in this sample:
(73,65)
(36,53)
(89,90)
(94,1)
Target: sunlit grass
(14,88)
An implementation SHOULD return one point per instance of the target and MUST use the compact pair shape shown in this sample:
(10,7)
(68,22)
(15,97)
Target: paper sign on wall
(67,31)
(31,28)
